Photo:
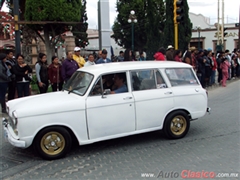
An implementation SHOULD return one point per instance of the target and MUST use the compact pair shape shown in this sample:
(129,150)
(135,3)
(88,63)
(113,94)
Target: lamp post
(198,30)
(132,19)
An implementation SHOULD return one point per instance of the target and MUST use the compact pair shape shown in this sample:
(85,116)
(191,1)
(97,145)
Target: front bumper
(10,137)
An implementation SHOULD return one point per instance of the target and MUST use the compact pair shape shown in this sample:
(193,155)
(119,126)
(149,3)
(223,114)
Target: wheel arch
(184,110)
(72,134)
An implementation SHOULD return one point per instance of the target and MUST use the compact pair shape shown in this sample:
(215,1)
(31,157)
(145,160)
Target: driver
(119,82)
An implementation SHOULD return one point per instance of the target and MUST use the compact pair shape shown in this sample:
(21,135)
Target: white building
(206,36)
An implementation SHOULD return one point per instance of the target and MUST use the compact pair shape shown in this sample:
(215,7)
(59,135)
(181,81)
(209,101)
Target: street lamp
(132,19)
(198,30)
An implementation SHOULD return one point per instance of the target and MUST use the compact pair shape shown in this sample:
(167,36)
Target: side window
(181,76)
(143,80)
(114,83)
(160,81)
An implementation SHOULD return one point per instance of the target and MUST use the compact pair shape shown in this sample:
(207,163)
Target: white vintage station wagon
(108,101)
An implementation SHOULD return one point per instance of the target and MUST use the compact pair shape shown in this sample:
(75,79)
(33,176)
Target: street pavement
(211,146)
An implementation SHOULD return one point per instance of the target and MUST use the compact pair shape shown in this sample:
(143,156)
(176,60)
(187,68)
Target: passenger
(119,82)
(160,81)
(108,82)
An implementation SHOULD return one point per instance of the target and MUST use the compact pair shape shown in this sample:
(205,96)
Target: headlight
(15,119)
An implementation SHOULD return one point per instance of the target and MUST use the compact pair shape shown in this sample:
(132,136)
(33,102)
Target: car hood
(46,104)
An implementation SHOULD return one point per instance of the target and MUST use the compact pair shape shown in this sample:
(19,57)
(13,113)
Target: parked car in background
(108,101)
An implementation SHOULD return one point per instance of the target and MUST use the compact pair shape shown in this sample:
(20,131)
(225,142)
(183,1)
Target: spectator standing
(177,56)
(99,56)
(201,68)
(225,67)
(160,55)
(78,58)
(187,57)
(90,61)
(141,57)
(234,65)
(170,53)
(127,55)
(69,66)
(104,58)
(238,64)
(214,67)
(227,55)
(12,84)
(4,80)
(194,53)
(22,71)
(54,74)
(219,61)
(208,64)
(42,73)
(120,57)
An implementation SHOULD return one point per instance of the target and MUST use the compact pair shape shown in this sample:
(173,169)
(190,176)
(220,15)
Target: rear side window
(181,76)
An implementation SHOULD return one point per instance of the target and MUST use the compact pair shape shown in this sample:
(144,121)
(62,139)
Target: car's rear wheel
(176,125)
(53,142)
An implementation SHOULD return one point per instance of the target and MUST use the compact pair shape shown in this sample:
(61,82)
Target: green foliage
(80,30)
(148,29)
(185,29)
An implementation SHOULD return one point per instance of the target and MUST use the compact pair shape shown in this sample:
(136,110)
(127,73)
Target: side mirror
(106,92)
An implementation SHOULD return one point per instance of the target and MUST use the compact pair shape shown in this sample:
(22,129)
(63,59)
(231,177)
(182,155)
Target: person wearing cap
(78,58)
(170,53)
(104,58)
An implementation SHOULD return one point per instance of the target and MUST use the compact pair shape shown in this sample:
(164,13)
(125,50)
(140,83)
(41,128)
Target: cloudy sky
(207,8)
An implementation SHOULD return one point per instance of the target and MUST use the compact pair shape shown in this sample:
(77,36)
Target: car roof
(132,65)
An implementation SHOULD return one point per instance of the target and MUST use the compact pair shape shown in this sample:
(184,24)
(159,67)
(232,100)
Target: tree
(185,29)
(169,25)
(147,31)
(80,30)
(54,10)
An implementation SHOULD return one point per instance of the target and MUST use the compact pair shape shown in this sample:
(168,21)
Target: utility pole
(17,31)
(218,26)
(222,29)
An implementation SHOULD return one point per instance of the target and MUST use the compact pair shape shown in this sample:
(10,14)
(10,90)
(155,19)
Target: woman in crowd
(214,67)
(127,55)
(54,74)
(224,66)
(178,55)
(22,71)
(160,55)
(208,66)
(42,73)
(5,77)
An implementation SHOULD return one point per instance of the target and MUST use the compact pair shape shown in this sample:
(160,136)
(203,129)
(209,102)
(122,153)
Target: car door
(109,115)
(153,99)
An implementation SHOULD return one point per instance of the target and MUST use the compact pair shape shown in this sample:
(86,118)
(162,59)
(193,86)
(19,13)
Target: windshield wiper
(76,88)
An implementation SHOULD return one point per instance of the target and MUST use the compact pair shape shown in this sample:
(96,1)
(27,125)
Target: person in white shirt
(90,61)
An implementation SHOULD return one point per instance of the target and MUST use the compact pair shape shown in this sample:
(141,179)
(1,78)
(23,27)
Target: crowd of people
(16,75)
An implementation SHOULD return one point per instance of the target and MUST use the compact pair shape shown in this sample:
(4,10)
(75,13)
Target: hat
(170,47)
(77,49)
(192,48)
(104,51)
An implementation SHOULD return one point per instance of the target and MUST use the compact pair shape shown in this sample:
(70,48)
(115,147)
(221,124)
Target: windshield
(79,83)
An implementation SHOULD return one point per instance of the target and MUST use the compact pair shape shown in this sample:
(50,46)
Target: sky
(208,8)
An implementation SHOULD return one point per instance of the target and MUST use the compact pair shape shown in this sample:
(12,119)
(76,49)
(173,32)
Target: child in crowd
(224,66)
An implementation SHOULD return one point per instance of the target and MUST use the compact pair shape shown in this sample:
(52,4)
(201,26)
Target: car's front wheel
(53,143)
(176,125)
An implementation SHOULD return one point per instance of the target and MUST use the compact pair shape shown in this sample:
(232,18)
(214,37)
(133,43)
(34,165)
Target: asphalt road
(210,149)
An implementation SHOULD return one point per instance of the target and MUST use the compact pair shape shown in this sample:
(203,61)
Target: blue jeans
(23,89)
(213,76)
(3,90)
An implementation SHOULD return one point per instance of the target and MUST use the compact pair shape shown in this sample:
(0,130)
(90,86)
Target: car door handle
(197,90)
(126,98)
(168,92)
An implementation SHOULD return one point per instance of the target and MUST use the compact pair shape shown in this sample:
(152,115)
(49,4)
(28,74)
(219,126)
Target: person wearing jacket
(22,71)
(12,84)
(224,66)
(177,56)
(160,55)
(104,58)
(5,78)
(54,74)
(42,73)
